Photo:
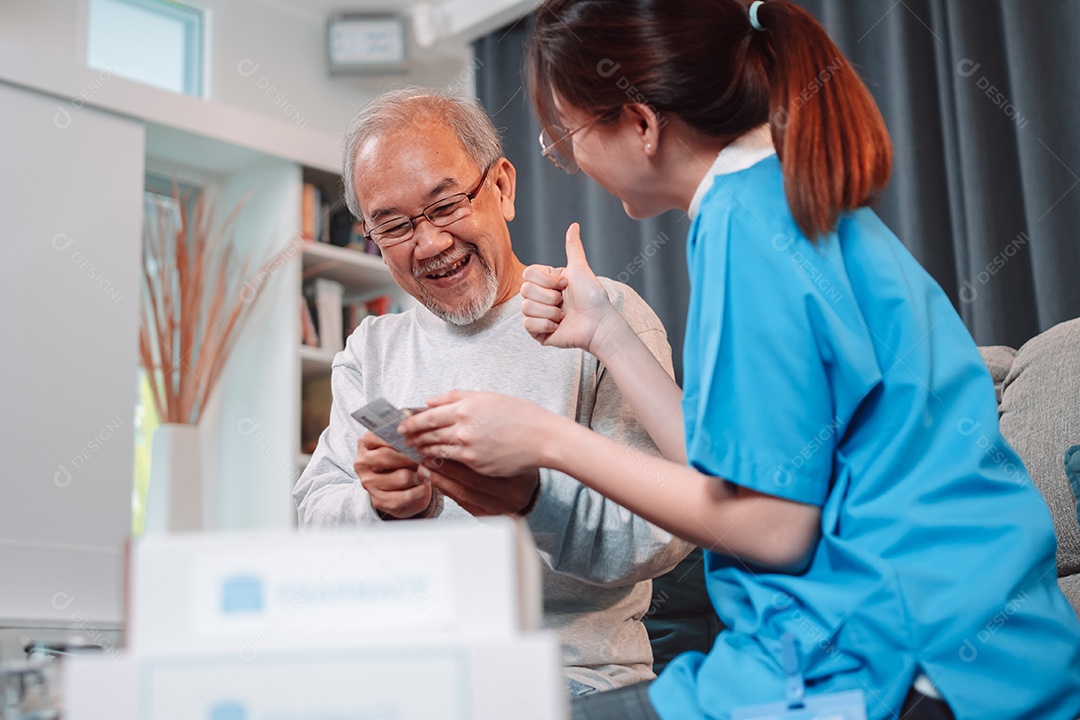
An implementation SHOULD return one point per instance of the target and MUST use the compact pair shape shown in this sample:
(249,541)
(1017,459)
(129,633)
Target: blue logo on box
(241,594)
(228,711)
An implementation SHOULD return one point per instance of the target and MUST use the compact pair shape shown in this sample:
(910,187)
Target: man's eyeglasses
(439,213)
(557,145)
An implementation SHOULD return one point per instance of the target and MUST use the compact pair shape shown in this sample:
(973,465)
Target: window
(156,42)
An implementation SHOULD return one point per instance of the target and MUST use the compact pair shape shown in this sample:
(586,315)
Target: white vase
(174,499)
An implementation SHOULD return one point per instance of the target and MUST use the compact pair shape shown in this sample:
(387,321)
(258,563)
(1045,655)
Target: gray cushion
(1040,417)
(998,359)
(1070,585)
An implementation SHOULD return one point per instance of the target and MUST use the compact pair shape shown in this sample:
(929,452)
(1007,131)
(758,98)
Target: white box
(488,680)
(96,687)
(245,595)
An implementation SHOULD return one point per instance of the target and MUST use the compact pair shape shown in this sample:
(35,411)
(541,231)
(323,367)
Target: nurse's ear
(646,123)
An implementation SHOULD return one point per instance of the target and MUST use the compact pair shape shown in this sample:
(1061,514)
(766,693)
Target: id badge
(848,705)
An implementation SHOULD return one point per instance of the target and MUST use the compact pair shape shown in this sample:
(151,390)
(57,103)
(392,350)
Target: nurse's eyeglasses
(557,145)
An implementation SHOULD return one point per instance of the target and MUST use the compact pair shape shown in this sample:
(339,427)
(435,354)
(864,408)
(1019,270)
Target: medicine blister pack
(382,418)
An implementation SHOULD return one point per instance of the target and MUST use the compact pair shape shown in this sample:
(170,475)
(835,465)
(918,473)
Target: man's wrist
(533,499)
(433,507)
(430,511)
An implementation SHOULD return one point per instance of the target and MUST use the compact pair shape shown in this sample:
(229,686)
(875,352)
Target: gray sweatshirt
(597,557)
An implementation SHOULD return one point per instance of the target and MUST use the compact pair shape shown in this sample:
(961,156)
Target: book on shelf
(315,214)
(309,316)
(323,222)
(329,300)
(327,319)
(308,334)
(358,242)
(310,202)
(341,229)
(380,305)
(316,399)
(342,224)
(354,313)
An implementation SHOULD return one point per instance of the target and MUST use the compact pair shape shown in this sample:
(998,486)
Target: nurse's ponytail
(705,62)
(829,134)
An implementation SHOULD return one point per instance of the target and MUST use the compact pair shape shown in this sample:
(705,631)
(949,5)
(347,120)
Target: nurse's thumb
(575,253)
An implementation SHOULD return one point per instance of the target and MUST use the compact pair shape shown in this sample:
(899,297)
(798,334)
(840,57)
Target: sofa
(1038,392)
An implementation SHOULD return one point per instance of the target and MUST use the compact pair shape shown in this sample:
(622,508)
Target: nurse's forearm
(645,385)
(757,528)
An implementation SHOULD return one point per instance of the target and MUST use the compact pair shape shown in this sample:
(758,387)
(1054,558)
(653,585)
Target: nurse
(871,540)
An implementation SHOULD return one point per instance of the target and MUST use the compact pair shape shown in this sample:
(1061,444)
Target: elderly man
(425,174)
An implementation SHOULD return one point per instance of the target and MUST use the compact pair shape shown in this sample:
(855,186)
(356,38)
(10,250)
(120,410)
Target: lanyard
(789,656)
(849,705)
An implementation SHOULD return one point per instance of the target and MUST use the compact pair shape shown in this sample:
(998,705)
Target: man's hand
(391,479)
(481,494)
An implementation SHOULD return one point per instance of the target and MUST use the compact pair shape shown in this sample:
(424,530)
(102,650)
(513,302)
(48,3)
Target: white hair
(410,106)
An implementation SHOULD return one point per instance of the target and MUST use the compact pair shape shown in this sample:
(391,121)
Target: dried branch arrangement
(197,297)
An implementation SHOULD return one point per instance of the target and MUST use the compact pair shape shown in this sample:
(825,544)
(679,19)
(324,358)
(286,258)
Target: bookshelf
(357,271)
(315,361)
(361,276)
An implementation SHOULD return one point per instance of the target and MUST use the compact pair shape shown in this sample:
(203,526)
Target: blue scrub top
(839,375)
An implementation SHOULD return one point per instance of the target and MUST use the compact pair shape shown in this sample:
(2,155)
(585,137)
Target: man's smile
(451,269)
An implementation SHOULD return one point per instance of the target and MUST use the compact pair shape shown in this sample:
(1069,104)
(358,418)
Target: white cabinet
(70,217)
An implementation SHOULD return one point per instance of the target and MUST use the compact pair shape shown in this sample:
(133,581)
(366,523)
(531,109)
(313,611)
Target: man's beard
(472,308)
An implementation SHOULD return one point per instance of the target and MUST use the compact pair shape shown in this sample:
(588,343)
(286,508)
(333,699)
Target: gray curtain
(983,101)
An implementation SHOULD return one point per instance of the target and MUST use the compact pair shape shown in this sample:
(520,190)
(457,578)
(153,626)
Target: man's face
(458,271)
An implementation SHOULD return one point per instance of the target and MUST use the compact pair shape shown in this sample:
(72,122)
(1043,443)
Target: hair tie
(754,7)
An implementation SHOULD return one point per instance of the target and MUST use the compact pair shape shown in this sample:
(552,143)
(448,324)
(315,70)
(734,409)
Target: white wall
(266,57)
(271,59)
(50,26)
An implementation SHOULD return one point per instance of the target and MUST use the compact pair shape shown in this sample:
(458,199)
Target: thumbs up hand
(566,307)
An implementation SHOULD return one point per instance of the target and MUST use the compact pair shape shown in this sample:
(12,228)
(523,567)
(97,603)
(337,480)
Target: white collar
(746,150)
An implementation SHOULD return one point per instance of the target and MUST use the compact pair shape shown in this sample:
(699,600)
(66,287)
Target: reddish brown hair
(702,61)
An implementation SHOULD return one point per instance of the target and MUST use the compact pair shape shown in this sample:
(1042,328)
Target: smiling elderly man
(425,174)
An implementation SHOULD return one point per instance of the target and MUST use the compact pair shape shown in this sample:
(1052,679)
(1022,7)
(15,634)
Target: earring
(648,147)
